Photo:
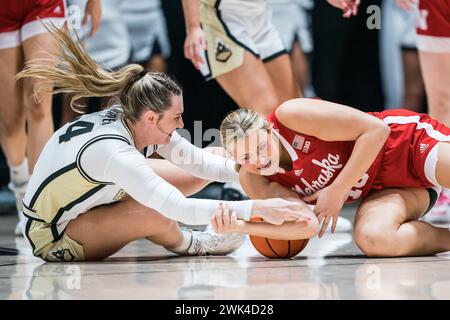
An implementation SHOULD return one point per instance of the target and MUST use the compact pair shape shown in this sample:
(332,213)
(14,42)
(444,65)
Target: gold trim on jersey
(64,189)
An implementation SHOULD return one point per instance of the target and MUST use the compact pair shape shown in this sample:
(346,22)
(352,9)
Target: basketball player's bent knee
(377,242)
(36,110)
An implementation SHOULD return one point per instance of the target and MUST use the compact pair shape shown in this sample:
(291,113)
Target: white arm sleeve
(117,162)
(198,162)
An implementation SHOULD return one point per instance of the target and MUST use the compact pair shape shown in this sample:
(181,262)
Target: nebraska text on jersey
(329,167)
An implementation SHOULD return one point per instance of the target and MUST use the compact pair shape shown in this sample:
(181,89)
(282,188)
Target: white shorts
(110,46)
(233,26)
(293,24)
(398,33)
(148,32)
(407,22)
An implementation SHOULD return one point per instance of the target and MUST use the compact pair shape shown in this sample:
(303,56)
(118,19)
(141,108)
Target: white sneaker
(19,193)
(209,243)
(19,230)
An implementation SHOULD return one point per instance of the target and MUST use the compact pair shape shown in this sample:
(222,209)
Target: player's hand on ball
(225,220)
(277,211)
(329,203)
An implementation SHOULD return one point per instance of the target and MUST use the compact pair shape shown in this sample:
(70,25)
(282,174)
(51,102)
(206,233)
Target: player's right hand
(194,43)
(225,220)
(349,7)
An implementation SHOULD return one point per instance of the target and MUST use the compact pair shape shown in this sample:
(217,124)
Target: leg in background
(414,93)
(38,113)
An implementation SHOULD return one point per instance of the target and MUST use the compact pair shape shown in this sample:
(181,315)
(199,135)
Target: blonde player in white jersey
(235,43)
(72,204)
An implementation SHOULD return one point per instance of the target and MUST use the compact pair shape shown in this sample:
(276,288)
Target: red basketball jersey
(400,163)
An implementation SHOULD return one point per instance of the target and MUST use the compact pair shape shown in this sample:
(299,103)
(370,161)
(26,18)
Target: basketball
(277,249)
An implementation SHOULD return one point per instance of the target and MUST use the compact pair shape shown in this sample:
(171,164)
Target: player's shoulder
(109,123)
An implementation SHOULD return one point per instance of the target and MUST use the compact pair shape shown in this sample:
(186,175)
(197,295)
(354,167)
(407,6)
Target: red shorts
(433,31)
(19,19)
(410,153)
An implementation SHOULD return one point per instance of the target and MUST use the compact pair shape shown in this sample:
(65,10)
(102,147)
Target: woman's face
(258,153)
(165,124)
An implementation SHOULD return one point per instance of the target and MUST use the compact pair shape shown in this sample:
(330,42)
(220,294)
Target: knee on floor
(376,241)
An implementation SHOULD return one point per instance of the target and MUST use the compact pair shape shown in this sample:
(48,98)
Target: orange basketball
(277,249)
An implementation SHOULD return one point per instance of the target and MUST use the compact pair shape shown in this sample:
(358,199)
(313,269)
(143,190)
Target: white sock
(185,243)
(19,174)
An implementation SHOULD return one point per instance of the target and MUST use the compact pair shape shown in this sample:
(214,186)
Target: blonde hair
(77,73)
(238,124)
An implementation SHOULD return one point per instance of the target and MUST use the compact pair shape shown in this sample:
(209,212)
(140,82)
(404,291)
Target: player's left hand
(225,220)
(349,7)
(329,203)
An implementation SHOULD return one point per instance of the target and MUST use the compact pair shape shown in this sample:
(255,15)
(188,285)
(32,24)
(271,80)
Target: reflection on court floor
(330,268)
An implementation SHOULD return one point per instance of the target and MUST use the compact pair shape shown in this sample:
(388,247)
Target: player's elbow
(386,130)
(383,130)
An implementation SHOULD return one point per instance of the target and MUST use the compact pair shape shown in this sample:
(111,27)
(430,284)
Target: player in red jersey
(25,123)
(433,42)
(329,154)
(23,38)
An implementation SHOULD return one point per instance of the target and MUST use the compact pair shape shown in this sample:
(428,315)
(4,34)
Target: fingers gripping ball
(277,249)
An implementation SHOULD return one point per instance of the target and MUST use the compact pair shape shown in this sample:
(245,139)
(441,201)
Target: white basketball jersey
(59,189)
(92,160)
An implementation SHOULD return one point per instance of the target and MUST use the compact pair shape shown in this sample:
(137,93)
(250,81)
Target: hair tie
(137,77)
(142,74)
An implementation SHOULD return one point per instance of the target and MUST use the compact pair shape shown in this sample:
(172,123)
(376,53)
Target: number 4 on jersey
(75,129)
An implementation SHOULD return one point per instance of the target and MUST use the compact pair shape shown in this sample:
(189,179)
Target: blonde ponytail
(78,74)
